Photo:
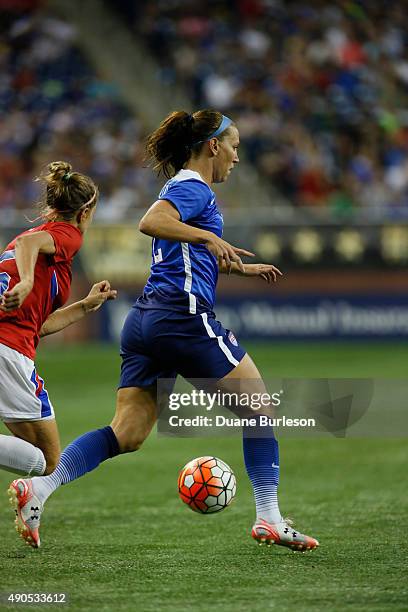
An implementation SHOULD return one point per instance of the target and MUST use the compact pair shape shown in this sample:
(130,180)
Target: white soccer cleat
(28,510)
(282,534)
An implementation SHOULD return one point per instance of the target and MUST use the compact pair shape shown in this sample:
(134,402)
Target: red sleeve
(67,240)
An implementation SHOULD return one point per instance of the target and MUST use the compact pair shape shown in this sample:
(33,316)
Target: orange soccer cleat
(282,534)
(28,510)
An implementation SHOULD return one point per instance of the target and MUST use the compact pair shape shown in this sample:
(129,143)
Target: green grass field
(120,539)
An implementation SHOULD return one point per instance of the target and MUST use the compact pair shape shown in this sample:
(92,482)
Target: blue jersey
(184,276)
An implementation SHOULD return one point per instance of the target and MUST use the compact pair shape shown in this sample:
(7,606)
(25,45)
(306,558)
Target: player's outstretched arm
(27,249)
(267,272)
(61,318)
(162,220)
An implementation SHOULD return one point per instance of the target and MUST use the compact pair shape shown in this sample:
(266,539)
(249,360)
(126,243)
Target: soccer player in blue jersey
(171,329)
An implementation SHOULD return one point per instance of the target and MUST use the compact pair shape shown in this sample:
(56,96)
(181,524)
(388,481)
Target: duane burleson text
(222,421)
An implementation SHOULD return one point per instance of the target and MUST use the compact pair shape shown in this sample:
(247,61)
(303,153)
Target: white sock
(21,457)
(269,513)
(266,500)
(44,486)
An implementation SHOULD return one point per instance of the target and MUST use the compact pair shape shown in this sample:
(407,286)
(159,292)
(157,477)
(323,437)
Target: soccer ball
(207,485)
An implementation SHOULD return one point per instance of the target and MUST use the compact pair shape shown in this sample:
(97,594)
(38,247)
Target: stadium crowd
(54,106)
(319,89)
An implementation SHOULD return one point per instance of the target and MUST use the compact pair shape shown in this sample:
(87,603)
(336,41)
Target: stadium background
(319,93)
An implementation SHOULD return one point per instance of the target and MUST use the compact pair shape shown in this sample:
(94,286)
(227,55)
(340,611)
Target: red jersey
(19,329)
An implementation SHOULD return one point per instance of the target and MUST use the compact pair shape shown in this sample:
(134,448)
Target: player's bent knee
(130,437)
(129,443)
(134,418)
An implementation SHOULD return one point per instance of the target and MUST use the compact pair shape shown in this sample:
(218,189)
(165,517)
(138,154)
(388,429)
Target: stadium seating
(54,105)
(319,89)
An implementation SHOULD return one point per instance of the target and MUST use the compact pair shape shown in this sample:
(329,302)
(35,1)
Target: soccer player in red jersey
(35,279)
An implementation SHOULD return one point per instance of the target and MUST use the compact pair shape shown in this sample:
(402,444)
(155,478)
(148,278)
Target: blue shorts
(162,343)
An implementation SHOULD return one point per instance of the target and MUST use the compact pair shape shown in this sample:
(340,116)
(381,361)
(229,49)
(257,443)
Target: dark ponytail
(178,137)
(66,191)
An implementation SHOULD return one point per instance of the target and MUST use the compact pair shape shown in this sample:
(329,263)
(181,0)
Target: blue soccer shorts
(162,343)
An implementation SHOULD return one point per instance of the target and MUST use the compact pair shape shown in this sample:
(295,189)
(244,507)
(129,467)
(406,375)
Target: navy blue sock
(261,456)
(81,456)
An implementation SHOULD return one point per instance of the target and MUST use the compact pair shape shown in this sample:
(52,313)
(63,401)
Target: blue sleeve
(189,197)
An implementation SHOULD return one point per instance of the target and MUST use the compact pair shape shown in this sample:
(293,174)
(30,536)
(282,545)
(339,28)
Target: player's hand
(226,253)
(99,293)
(10,300)
(266,271)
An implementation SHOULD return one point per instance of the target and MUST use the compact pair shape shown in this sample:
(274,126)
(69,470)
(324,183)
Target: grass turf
(119,539)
